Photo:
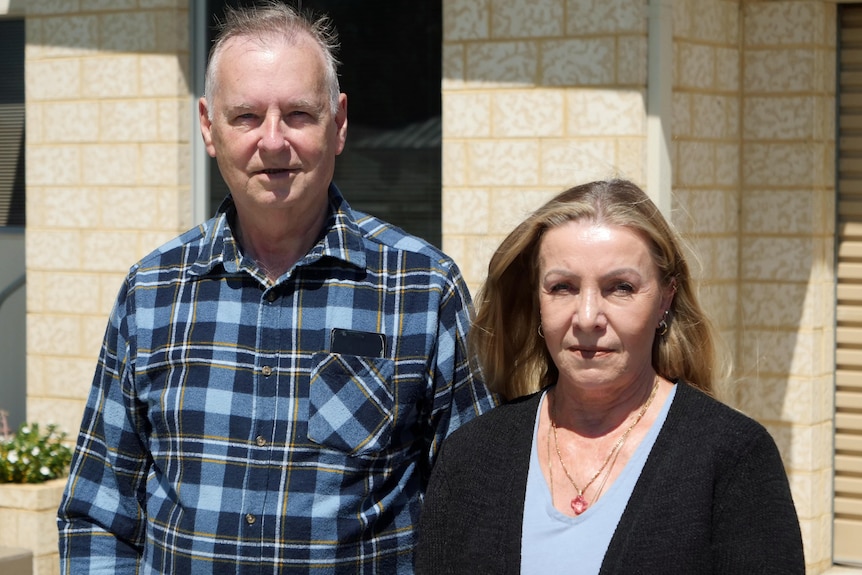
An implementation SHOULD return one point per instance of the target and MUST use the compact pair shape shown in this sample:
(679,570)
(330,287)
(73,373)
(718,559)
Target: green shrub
(33,455)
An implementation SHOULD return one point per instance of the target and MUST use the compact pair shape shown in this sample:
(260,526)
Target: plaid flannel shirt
(223,435)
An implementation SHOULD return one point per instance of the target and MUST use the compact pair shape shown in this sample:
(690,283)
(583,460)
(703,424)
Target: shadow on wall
(13,320)
(566,92)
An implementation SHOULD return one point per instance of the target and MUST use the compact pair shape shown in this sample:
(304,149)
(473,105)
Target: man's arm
(101,519)
(460,394)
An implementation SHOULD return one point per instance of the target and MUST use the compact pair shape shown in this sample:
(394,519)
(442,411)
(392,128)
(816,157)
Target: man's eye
(300,116)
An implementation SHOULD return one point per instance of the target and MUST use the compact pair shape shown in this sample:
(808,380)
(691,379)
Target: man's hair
(272,20)
(504,338)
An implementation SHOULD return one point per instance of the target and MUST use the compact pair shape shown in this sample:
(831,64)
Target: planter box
(28,519)
(15,561)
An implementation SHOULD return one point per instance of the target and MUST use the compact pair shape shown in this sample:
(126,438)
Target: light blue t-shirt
(552,542)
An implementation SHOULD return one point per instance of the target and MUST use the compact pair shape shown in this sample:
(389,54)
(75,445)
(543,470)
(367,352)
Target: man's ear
(206,126)
(341,123)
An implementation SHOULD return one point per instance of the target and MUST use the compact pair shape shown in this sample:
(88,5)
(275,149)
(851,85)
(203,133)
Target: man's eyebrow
(300,104)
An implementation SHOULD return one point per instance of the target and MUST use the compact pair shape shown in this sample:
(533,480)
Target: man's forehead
(267,41)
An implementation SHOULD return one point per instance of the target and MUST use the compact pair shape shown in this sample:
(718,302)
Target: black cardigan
(713,498)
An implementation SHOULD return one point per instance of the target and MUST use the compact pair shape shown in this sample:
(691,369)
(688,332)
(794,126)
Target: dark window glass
(12,123)
(391,72)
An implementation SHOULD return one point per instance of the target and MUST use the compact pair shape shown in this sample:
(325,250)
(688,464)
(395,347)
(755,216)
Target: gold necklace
(579,503)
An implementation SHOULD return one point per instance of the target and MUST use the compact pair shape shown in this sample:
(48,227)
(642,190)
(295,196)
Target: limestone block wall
(705,156)
(753,164)
(538,95)
(541,95)
(785,343)
(108,174)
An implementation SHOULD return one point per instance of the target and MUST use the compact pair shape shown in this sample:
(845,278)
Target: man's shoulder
(380,232)
(180,251)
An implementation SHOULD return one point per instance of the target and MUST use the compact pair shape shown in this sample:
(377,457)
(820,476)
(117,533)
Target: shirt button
(250,519)
(271,296)
(267,370)
(260,440)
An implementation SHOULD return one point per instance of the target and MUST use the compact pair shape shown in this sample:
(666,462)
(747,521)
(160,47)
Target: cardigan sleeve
(755,526)
(434,529)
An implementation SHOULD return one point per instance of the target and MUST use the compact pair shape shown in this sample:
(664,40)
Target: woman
(610,455)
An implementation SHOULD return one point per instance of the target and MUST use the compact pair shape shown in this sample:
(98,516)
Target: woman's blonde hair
(504,338)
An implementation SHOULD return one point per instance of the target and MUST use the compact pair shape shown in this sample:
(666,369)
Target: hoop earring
(662,325)
(541,333)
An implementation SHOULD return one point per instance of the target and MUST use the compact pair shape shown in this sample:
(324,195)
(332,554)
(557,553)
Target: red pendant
(579,504)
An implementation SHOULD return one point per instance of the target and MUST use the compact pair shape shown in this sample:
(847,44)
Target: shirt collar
(340,238)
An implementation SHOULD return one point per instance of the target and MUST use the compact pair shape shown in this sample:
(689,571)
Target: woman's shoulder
(508,421)
(698,414)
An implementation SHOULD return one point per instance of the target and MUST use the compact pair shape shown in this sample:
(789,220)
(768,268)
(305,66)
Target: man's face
(272,131)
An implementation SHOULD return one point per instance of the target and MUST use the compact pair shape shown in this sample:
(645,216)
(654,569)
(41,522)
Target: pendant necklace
(579,503)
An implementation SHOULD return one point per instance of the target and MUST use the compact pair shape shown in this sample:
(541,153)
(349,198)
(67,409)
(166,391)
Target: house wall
(538,95)
(542,95)
(786,340)
(108,175)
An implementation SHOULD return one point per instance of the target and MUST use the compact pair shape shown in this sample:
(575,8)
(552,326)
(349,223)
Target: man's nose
(273,133)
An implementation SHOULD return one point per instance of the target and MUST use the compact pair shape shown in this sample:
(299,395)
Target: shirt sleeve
(101,519)
(460,393)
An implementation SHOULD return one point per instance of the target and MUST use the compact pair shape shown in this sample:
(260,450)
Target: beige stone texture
(125,121)
(566,162)
(604,113)
(28,517)
(453,67)
(526,18)
(537,96)
(753,117)
(696,65)
(466,20)
(108,137)
(585,17)
(127,32)
(467,115)
(578,62)
(501,64)
(56,79)
(528,113)
(106,5)
(110,250)
(110,75)
(631,61)
(163,75)
(727,69)
(64,36)
(503,162)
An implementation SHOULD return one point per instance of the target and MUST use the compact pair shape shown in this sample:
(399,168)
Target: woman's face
(601,302)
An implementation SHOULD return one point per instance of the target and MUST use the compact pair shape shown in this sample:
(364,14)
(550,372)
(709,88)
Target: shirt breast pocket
(351,402)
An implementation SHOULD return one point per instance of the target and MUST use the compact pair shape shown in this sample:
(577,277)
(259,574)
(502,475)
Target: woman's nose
(589,314)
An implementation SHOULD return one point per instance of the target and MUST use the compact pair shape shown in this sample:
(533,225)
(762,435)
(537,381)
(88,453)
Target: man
(274,384)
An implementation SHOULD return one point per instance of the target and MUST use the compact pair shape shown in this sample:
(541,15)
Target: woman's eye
(561,287)
(624,287)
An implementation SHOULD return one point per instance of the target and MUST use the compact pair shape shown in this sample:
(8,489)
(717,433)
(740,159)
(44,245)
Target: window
(12,123)
(391,72)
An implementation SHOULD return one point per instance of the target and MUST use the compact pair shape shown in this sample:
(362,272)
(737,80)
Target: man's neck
(276,244)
